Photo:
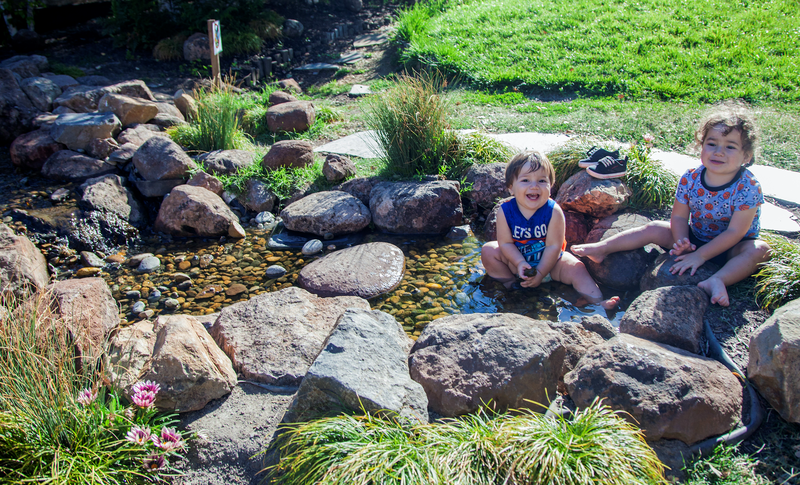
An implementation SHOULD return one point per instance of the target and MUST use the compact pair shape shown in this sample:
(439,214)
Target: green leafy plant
(595,445)
(653,186)
(725,466)
(410,121)
(58,424)
(59,68)
(778,280)
(170,49)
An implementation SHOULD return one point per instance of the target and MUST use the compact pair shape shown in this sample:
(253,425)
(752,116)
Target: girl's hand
(687,261)
(682,246)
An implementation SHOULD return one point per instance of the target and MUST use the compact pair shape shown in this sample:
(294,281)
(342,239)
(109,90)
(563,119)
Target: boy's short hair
(731,115)
(537,161)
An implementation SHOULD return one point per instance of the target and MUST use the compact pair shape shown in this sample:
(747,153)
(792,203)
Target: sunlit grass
(778,280)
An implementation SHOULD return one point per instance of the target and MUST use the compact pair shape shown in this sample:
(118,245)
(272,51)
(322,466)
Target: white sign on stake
(217,37)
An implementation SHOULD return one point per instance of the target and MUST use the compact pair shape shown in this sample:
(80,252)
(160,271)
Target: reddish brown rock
(337,168)
(69,165)
(488,183)
(594,197)
(278,97)
(290,154)
(290,85)
(160,158)
(576,228)
(101,148)
(208,182)
(194,212)
(23,268)
(294,116)
(129,110)
(366,270)
(32,149)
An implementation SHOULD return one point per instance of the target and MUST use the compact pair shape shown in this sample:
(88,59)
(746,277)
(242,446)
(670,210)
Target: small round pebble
(138,308)
(149,265)
(312,247)
(133,294)
(171,304)
(275,271)
(154,296)
(264,218)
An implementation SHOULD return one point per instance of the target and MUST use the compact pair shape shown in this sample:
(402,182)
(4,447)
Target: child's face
(722,155)
(530,189)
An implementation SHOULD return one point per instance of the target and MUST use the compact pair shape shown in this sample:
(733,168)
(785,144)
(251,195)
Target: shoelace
(606,161)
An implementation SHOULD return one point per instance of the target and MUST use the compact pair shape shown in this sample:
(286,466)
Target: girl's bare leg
(656,232)
(743,261)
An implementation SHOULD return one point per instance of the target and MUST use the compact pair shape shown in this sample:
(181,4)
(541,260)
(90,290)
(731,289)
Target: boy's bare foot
(611,303)
(716,290)
(591,251)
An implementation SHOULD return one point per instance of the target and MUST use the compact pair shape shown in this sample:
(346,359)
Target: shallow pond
(442,277)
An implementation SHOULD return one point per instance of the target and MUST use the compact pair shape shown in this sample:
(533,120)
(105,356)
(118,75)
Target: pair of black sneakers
(603,164)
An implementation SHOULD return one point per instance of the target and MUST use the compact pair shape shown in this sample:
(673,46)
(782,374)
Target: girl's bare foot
(591,251)
(716,290)
(611,303)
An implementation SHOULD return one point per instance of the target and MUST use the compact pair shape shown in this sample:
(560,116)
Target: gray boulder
(510,360)
(668,392)
(292,28)
(671,315)
(25,66)
(138,134)
(196,47)
(16,110)
(23,268)
(101,148)
(326,212)
(416,207)
(226,162)
(274,337)
(363,367)
(109,194)
(195,212)
(177,352)
(337,168)
(774,366)
(624,269)
(84,99)
(41,91)
(77,130)
(257,196)
(69,165)
(366,270)
(160,158)
(658,275)
(488,183)
(61,80)
(360,188)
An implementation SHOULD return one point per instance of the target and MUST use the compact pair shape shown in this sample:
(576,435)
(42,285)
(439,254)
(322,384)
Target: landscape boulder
(576,228)
(416,207)
(160,158)
(658,274)
(366,270)
(208,182)
(88,310)
(509,360)
(176,352)
(294,116)
(32,149)
(337,168)
(624,269)
(278,97)
(129,110)
(668,392)
(363,367)
(490,225)
(77,130)
(273,338)
(292,28)
(25,66)
(672,315)
(326,212)
(196,47)
(360,188)
(76,167)
(185,104)
(257,196)
(61,80)
(487,183)
(16,110)
(289,154)
(23,269)
(226,162)
(101,148)
(774,366)
(595,197)
(138,134)
(41,91)
(84,99)
(195,212)
(109,194)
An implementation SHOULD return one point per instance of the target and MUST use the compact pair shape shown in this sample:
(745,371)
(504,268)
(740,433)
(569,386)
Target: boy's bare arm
(738,227)
(506,245)
(554,241)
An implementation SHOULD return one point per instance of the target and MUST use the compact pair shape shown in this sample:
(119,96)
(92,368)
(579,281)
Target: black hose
(707,447)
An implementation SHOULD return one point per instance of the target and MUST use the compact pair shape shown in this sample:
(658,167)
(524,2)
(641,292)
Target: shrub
(57,423)
(565,161)
(170,49)
(218,122)
(653,186)
(778,280)
(595,445)
(410,121)
(724,467)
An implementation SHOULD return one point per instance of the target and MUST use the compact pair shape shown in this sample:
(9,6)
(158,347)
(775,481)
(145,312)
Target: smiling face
(722,155)
(531,189)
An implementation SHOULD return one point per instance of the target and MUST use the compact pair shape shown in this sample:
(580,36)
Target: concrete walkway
(779,184)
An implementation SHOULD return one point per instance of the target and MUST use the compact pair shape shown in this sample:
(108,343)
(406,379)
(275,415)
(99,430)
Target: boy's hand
(687,261)
(521,267)
(683,246)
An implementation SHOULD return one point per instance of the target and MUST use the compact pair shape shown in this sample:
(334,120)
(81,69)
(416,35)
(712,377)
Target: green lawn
(701,51)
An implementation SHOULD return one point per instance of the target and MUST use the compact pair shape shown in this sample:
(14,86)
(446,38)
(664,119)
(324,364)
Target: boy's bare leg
(496,265)
(570,271)
(744,260)
(657,232)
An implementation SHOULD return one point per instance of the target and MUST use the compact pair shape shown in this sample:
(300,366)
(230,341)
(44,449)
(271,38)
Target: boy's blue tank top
(529,235)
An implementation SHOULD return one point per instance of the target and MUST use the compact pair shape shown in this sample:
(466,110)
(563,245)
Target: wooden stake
(214,55)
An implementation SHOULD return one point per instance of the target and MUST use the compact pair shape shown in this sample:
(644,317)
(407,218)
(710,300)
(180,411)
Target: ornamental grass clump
(778,279)
(58,423)
(593,446)
(653,186)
